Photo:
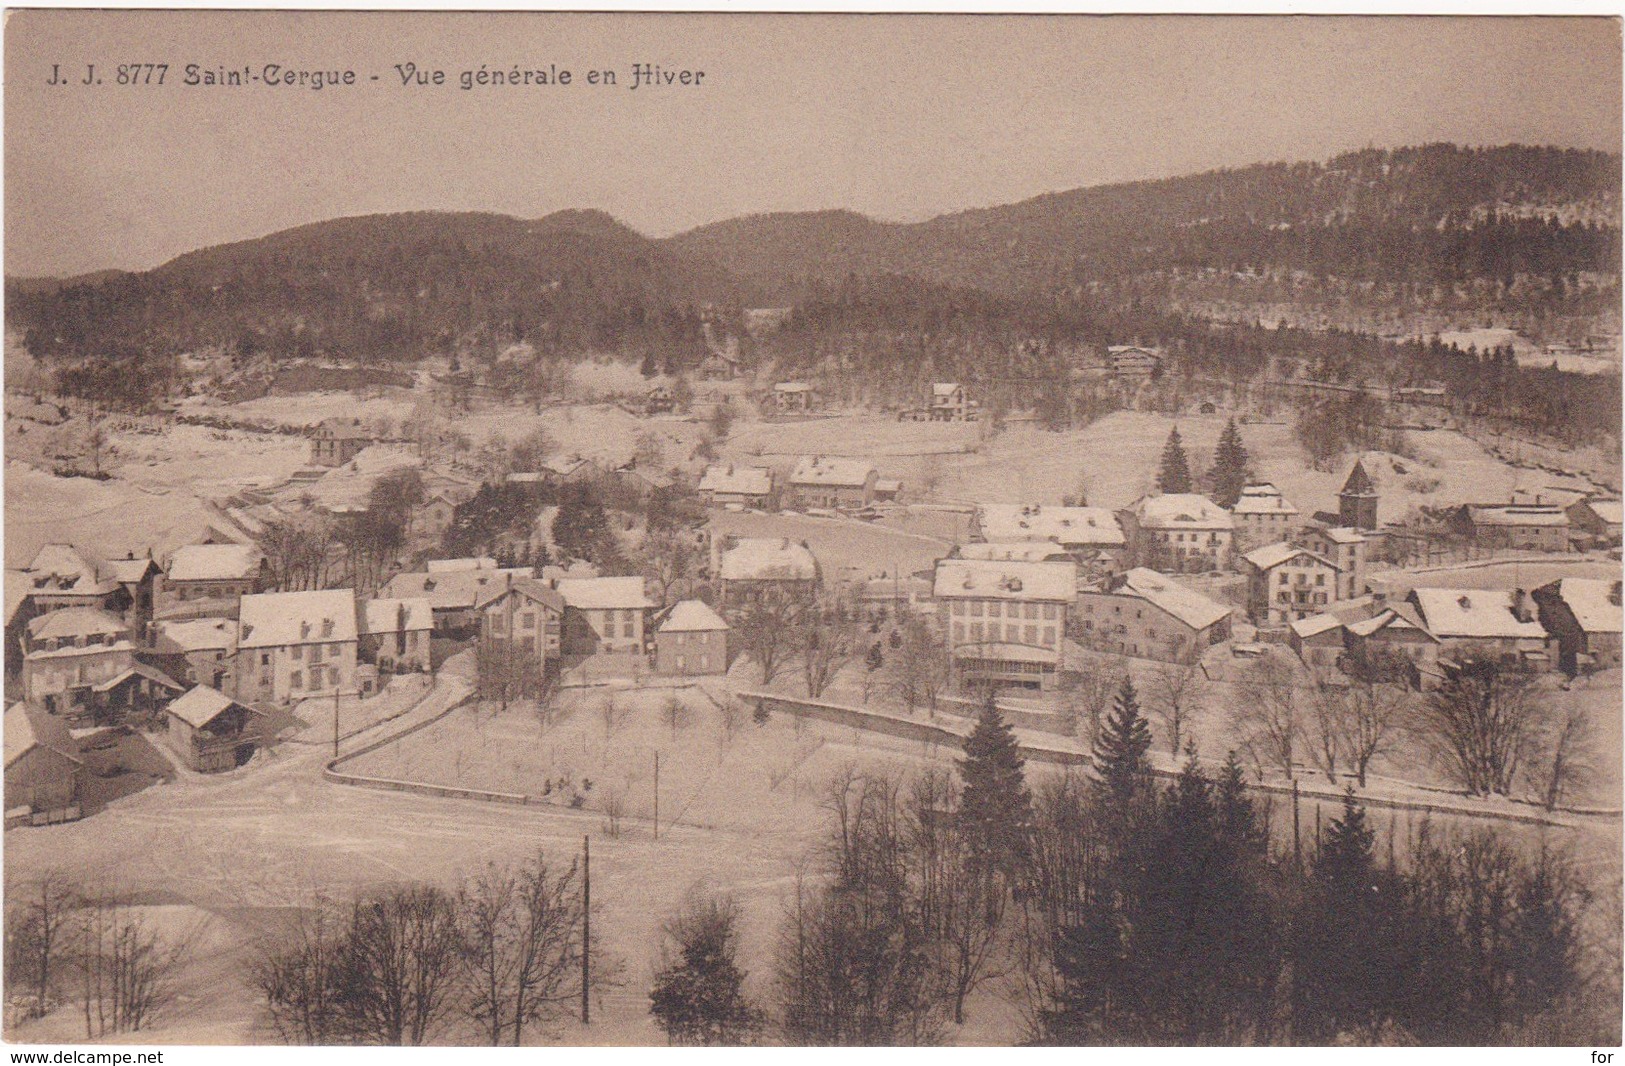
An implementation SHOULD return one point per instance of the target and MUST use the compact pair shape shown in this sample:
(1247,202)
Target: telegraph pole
(657,795)
(586,926)
(335,723)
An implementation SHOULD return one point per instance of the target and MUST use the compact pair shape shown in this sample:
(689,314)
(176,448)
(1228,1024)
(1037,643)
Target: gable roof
(273,619)
(384,615)
(692,616)
(214,562)
(768,559)
(743,480)
(984,579)
(1180,510)
(945,389)
(76,622)
(197,634)
(1395,617)
(1314,625)
(1589,600)
(139,669)
(1518,516)
(17,588)
(453,590)
(530,588)
(1473,613)
(203,705)
(1262,499)
(822,470)
(131,570)
(1094,526)
(1272,555)
(1183,603)
(1340,534)
(1041,551)
(28,727)
(1359,482)
(604,593)
(1611,512)
(343,429)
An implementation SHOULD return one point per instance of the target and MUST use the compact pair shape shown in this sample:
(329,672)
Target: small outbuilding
(212,732)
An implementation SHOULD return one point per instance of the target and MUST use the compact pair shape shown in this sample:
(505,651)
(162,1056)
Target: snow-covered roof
(1085,526)
(128,571)
(201,706)
(198,634)
(1358,483)
(1591,602)
(1262,499)
(692,616)
(1314,625)
(452,590)
(822,470)
(1473,613)
(1041,551)
(604,593)
(741,480)
(27,727)
(529,587)
(139,669)
(1340,535)
(276,619)
(982,579)
(1159,590)
(564,466)
(451,566)
(1517,516)
(384,615)
(75,622)
(768,559)
(64,561)
(1272,555)
(1395,617)
(17,587)
(343,429)
(214,562)
(1180,510)
(944,389)
(792,386)
(1610,511)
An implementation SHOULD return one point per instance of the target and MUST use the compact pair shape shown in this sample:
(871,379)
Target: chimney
(1521,609)
(304,630)
(1614,594)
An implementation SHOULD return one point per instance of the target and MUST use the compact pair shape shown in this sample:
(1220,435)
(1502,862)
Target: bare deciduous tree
(1484,720)
(1269,713)
(919,665)
(1568,749)
(765,632)
(126,969)
(521,946)
(828,636)
(402,965)
(1174,691)
(37,930)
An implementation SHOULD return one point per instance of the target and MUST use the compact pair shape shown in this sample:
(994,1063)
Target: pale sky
(898,117)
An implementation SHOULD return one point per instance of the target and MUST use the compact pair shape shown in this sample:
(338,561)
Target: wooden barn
(212,732)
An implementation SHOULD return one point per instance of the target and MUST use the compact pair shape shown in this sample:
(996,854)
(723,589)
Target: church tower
(1357,503)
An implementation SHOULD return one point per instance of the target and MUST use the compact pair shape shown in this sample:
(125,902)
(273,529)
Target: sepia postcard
(644,529)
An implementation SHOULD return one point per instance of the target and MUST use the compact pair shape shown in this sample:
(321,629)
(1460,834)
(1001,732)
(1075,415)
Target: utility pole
(586,927)
(1297,851)
(335,723)
(657,795)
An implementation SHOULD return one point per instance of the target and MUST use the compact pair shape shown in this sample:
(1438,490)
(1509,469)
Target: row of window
(1012,633)
(997,609)
(1320,579)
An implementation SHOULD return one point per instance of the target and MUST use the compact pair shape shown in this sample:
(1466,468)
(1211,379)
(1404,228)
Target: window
(976,632)
(628,630)
(1049,634)
(1029,634)
(976,609)
(1283,577)
(528,643)
(1031,612)
(315,653)
(1320,579)
(1049,611)
(265,658)
(296,680)
(957,608)
(527,620)
(959,632)
(995,610)
(298,652)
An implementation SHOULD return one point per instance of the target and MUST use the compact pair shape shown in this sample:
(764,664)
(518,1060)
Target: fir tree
(995,808)
(1345,860)
(698,996)
(1229,474)
(1175,474)
(1120,748)
(649,368)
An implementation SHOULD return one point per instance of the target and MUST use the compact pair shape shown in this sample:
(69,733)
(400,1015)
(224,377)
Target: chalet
(1133,361)
(569,470)
(888,490)
(337,441)
(1599,518)
(691,639)
(1394,634)
(757,569)
(1178,532)
(295,645)
(1086,534)
(44,769)
(1014,552)
(725,484)
(395,634)
(1262,516)
(1537,527)
(69,651)
(1357,500)
(639,483)
(1005,621)
(453,592)
(1491,623)
(1427,395)
(433,517)
(604,615)
(62,575)
(211,732)
(213,571)
(950,403)
(1584,616)
(134,694)
(1147,615)
(720,365)
(525,617)
(820,481)
(197,650)
(1318,640)
(1287,583)
(1344,548)
(793,396)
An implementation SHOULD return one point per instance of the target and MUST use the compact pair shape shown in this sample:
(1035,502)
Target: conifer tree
(1175,474)
(1229,474)
(995,807)
(1120,748)
(1345,861)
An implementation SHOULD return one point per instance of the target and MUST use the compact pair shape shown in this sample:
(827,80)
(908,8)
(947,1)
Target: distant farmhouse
(950,403)
(725,484)
(1148,615)
(793,396)
(821,481)
(1132,361)
(337,440)
(1598,518)
(1584,617)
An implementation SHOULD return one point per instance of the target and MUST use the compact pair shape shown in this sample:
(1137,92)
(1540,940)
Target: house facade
(1287,583)
(691,639)
(296,645)
(213,571)
(1178,533)
(820,481)
(454,588)
(1598,518)
(525,619)
(68,652)
(1531,527)
(337,441)
(211,732)
(1584,616)
(1004,621)
(1088,535)
(604,616)
(793,396)
(1346,548)
(395,634)
(44,769)
(1498,624)
(727,485)
(1262,516)
(949,402)
(758,569)
(1147,615)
